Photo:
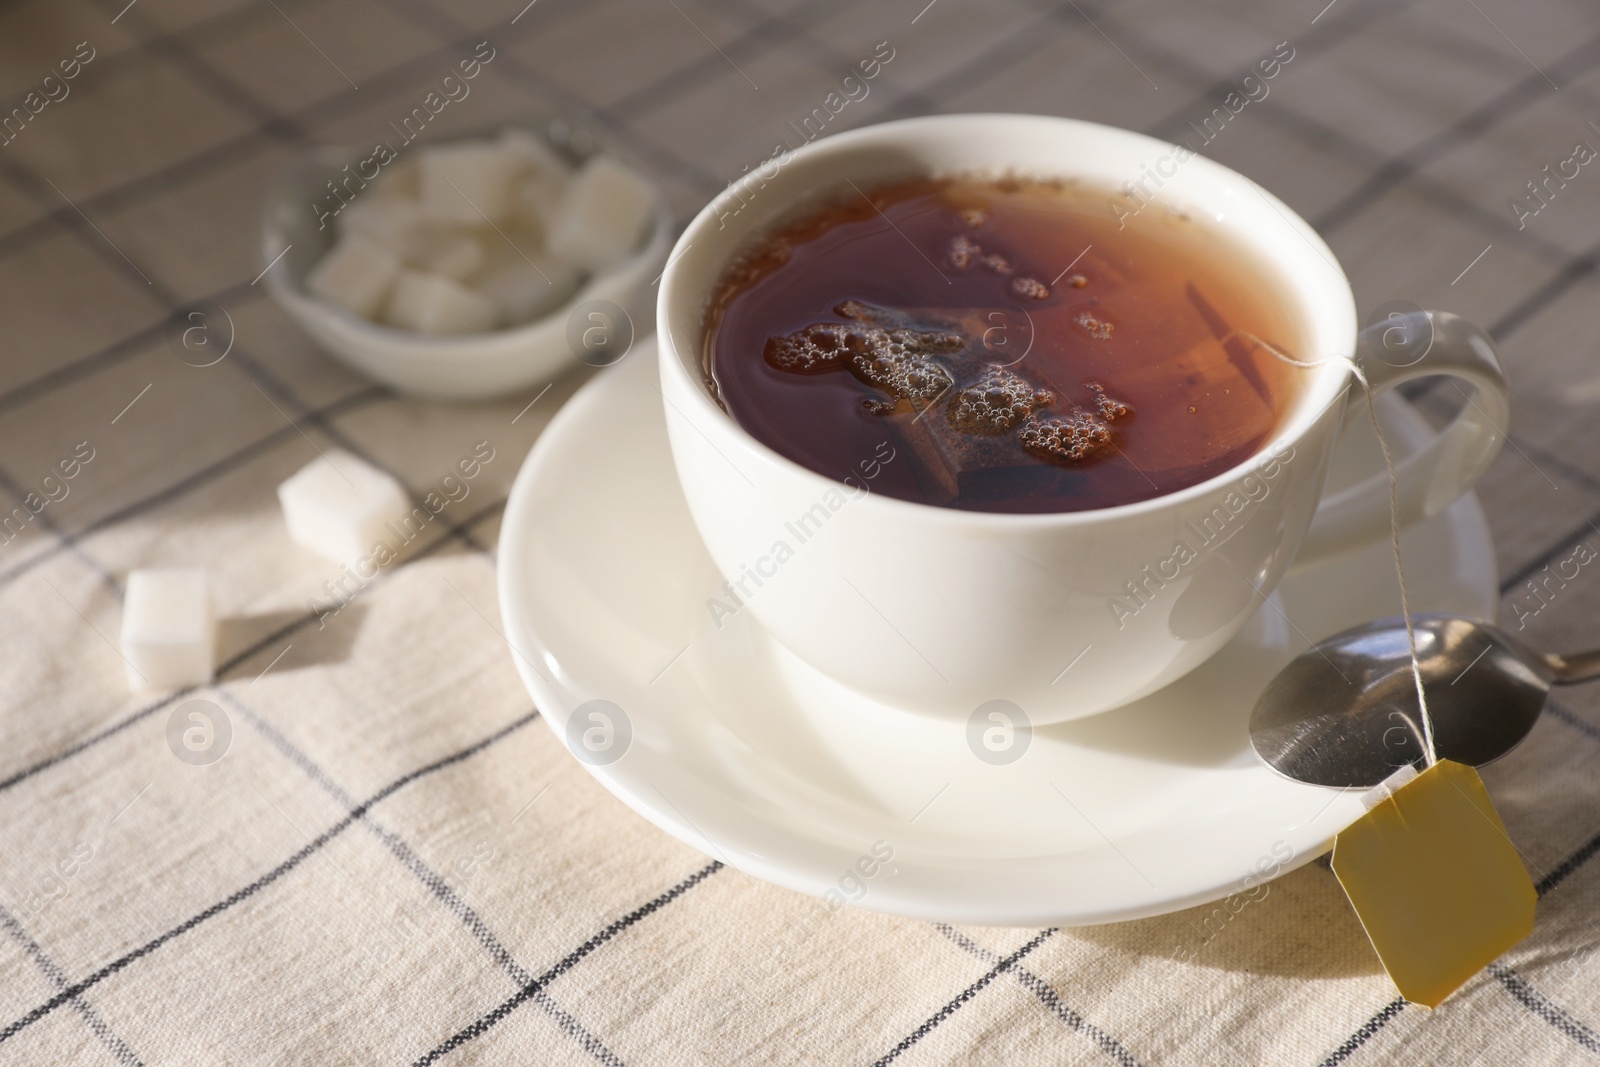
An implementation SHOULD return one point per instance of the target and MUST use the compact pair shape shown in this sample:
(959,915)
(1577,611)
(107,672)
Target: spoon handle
(1569,670)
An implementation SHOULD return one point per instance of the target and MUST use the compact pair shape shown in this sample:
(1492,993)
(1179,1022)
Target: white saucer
(745,753)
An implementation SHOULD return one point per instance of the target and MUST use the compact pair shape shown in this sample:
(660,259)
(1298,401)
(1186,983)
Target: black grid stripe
(1520,95)
(435,884)
(1567,867)
(1321,39)
(1578,857)
(174,50)
(190,482)
(1579,531)
(1485,117)
(240,99)
(768,29)
(493,1018)
(991,62)
(1552,290)
(1028,40)
(1311,130)
(90,364)
(175,175)
(47,522)
(962,999)
(1503,106)
(321,418)
(223,670)
(983,66)
(1047,996)
(114,1044)
(216,470)
(755,41)
(1561,464)
(386,80)
(1336,31)
(1316,39)
(1562,871)
(1406,167)
(81,227)
(332,103)
(18,777)
(312,847)
(171,48)
(646,146)
(163,179)
(70,219)
(325,423)
(1365,1033)
(1561,713)
(1546,1009)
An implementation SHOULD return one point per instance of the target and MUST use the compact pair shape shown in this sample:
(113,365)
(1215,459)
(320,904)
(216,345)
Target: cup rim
(1327,390)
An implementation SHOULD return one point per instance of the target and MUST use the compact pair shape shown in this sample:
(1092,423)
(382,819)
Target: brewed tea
(1021,347)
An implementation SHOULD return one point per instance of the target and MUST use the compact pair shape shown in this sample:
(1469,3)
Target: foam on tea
(1020,347)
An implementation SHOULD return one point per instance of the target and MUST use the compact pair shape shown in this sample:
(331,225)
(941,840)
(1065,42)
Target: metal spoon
(1344,712)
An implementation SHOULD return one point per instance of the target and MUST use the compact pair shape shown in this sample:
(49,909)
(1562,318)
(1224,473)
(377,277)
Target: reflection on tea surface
(1028,354)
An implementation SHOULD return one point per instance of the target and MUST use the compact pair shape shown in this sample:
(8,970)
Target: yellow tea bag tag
(1436,881)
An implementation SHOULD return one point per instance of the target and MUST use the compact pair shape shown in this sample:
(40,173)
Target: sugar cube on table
(432,303)
(169,632)
(356,274)
(601,215)
(341,507)
(467,183)
(526,284)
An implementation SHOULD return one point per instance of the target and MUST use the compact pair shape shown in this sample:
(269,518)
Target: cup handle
(1403,347)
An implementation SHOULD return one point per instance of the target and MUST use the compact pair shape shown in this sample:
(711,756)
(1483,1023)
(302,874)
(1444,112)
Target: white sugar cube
(340,507)
(441,251)
(169,633)
(420,242)
(601,215)
(532,155)
(526,285)
(357,273)
(467,183)
(536,204)
(399,178)
(541,179)
(387,220)
(432,303)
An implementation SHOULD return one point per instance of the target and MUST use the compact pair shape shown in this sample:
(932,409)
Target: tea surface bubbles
(1020,347)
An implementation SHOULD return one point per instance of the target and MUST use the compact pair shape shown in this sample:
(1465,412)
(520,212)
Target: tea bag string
(1429,752)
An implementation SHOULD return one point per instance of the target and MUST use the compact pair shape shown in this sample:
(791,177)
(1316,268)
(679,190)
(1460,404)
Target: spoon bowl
(1344,713)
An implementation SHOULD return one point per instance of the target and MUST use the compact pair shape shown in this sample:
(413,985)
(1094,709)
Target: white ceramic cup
(940,610)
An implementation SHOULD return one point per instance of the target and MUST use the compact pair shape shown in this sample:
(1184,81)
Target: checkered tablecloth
(395,861)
